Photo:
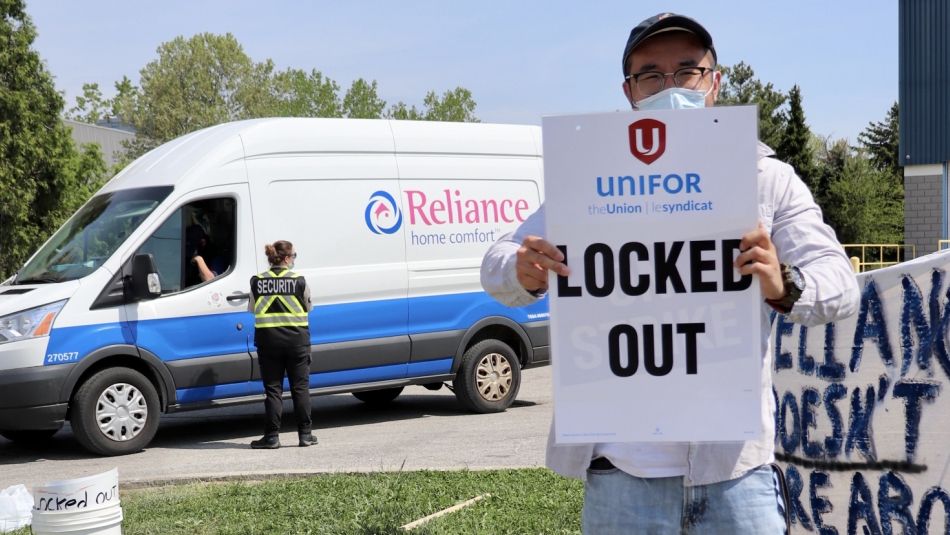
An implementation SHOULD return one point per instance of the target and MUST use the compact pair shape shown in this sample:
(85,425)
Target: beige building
(109,139)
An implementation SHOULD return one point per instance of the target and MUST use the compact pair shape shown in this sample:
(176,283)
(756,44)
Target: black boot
(307,439)
(266,443)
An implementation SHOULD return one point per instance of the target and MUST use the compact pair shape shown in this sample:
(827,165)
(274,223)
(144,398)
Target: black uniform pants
(274,362)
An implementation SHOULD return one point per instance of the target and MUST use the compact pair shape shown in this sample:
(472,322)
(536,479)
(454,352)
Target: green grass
(523,502)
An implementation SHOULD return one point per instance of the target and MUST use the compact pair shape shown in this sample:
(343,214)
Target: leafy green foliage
(882,140)
(863,204)
(296,93)
(455,105)
(740,86)
(43,176)
(208,79)
(90,106)
(863,192)
(362,102)
(795,146)
(195,83)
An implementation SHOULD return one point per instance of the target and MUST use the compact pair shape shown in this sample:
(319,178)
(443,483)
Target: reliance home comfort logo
(382,213)
(647,140)
(446,207)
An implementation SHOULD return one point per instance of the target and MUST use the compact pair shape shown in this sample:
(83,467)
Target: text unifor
(624,270)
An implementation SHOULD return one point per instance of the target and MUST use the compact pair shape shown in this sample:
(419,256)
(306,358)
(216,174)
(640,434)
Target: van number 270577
(59,358)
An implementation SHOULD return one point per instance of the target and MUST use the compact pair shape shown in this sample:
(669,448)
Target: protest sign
(100,491)
(654,335)
(863,413)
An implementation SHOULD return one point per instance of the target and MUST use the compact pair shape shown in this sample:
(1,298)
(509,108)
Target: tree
(882,141)
(830,159)
(868,205)
(124,102)
(740,86)
(296,93)
(207,79)
(456,105)
(795,146)
(362,102)
(196,83)
(404,112)
(90,106)
(43,176)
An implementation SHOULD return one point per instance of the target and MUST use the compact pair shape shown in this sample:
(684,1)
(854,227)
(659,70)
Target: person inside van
(202,255)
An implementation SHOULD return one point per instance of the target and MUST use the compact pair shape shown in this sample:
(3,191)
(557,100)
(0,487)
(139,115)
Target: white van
(111,323)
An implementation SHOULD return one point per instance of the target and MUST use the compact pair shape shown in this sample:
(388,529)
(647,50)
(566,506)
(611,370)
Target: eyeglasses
(292,255)
(652,82)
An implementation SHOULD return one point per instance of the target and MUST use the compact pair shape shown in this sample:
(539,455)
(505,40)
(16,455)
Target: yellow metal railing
(943,244)
(868,256)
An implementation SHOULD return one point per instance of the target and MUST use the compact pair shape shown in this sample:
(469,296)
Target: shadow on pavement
(235,427)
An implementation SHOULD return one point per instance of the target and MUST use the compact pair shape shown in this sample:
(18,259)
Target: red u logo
(647,140)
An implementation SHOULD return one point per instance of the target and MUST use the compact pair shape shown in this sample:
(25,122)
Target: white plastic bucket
(100,491)
(98,522)
(84,506)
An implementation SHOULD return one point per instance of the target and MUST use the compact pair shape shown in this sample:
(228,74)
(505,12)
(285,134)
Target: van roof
(183,159)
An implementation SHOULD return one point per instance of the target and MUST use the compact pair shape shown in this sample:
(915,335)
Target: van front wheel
(488,377)
(115,412)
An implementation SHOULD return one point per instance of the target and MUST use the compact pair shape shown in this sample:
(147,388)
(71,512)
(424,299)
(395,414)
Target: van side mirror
(145,281)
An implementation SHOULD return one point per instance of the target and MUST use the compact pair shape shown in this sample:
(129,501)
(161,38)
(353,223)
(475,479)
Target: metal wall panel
(924,81)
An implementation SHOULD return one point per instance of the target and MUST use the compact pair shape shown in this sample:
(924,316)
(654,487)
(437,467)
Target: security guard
(281,301)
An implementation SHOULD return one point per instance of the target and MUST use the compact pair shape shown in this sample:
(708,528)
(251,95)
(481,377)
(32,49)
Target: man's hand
(758,257)
(536,257)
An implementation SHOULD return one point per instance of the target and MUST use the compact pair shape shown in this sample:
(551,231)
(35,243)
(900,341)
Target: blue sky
(522,59)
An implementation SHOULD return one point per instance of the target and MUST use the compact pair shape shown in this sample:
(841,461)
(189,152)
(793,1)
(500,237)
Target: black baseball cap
(665,22)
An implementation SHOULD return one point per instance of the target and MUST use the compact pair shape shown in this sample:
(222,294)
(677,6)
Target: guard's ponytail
(277,251)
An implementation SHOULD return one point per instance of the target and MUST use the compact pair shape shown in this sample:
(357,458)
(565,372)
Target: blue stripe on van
(460,311)
(83,340)
(215,334)
(319,380)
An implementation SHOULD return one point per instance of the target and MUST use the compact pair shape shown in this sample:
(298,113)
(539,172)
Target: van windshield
(91,236)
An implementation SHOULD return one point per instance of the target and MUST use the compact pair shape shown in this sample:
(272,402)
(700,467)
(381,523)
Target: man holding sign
(662,361)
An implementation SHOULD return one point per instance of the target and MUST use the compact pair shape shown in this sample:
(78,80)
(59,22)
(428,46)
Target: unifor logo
(382,213)
(647,140)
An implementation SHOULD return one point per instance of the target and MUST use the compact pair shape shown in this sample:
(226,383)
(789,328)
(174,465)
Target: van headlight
(31,323)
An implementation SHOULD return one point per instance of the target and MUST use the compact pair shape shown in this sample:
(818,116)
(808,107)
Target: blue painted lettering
(796,511)
(861,507)
(895,508)
(872,327)
(859,428)
(810,399)
(820,504)
(911,392)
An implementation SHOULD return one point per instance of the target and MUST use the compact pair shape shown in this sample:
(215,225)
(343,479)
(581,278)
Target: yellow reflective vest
(281,306)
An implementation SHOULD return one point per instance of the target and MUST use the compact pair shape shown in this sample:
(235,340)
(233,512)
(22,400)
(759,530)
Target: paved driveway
(421,429)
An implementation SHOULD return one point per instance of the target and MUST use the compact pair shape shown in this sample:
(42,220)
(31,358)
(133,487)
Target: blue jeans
(618,503)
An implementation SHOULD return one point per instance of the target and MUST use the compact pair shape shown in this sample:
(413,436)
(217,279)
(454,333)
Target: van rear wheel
(488,378)
(378,397)
(115,412)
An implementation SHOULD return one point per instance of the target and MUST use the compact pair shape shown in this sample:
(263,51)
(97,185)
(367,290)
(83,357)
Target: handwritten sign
(863,411)
(77,495)
(655,336)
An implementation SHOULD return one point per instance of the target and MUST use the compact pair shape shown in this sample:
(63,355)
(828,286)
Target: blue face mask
(674,98)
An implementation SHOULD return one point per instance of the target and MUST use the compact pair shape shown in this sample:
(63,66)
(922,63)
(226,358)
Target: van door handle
(238,296)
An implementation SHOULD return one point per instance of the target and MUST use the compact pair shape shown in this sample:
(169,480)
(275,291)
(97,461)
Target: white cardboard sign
(655,336)
(863,410)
